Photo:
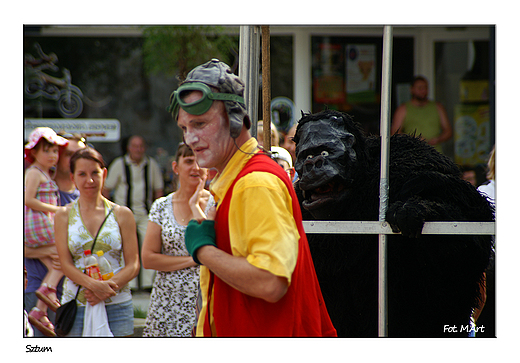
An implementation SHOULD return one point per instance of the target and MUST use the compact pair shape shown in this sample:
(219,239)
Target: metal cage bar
(249,68)
(384,130)
(377,227)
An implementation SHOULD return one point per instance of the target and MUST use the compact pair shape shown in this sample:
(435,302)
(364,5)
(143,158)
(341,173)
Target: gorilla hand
(406,217)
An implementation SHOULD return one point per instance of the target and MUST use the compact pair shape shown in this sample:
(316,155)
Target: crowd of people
(65,172)
(226,258)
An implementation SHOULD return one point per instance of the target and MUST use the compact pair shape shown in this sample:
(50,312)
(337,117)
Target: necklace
(183,219)
(178,210)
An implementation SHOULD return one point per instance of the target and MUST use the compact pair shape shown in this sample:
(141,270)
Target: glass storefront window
(462,87)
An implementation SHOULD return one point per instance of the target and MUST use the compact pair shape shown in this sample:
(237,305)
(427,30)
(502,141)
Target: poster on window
(472,134)
(328,81)
(361,73)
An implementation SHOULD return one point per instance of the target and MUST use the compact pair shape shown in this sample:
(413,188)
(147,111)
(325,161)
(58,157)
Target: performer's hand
(198,235)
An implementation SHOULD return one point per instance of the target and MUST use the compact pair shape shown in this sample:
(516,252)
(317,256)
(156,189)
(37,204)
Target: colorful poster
(472,139)
(328,81)
(361,73)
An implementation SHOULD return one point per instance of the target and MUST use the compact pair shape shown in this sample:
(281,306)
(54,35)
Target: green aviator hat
(230,88)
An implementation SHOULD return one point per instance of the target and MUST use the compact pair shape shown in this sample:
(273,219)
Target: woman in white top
(76,225)
(174,294)
(488,189)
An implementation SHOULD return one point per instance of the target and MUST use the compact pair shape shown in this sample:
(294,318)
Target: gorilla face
(324,162)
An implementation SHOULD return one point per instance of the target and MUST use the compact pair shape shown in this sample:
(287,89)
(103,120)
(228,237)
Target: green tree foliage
(175,50)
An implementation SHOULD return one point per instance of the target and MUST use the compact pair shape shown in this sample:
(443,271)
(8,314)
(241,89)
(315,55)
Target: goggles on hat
(201,105)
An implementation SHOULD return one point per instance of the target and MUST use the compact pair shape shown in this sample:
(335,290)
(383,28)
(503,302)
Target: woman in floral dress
(172,303)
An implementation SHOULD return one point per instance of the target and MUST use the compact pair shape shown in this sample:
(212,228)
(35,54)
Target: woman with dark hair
(75,227)
(173,299)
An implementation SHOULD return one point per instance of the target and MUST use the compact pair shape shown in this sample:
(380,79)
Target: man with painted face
(257,276)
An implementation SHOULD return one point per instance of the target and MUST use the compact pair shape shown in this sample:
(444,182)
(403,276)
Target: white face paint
(207,134)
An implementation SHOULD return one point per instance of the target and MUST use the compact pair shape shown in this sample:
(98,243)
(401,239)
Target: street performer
(257,277)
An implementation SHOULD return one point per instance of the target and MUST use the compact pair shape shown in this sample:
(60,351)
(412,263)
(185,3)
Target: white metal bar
(384,130)
(376,227)
(266,86)
(249,65)
(302,75)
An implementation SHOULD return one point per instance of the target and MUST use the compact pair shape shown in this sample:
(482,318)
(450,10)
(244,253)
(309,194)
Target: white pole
(386,91)
(302,74)
(249,64)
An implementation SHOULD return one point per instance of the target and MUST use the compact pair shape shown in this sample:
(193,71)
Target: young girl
(41,202)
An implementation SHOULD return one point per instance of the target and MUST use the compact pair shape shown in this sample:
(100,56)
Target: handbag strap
(95,239)
(99,230)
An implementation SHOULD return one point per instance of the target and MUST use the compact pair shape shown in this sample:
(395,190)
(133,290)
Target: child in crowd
(283,158)
(41,203)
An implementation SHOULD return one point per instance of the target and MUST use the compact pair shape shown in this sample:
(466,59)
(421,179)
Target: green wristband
(199,235)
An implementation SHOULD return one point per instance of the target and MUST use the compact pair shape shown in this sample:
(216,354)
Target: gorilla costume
(433,280)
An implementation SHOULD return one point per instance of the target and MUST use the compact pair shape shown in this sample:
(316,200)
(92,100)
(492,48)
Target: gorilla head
(327,158)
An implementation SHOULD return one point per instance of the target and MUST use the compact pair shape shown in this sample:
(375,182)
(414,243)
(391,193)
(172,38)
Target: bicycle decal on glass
(68,97)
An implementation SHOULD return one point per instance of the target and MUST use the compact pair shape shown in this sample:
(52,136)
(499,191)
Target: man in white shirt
(145,185)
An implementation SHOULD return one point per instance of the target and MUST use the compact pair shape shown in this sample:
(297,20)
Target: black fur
(433,280)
